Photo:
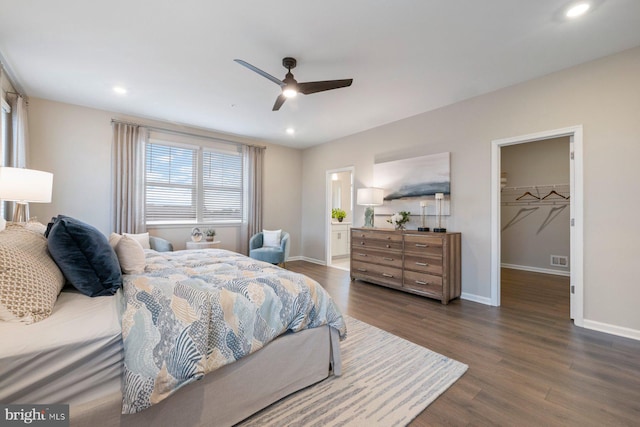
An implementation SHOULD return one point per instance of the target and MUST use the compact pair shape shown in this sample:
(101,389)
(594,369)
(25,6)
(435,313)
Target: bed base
(233,392)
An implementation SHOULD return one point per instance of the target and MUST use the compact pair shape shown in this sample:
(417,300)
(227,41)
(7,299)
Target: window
(187,183)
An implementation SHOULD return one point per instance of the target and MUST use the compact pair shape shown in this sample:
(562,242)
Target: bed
(81,358)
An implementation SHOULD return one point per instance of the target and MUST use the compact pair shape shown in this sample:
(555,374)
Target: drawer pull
(362,269)
(362,243)
(423,264)
(420,282)
(421,245)
(387,259)
(387,275)
(388,246)
(362,254)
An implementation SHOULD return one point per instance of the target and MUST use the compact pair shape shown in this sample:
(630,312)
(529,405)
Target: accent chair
(272,254)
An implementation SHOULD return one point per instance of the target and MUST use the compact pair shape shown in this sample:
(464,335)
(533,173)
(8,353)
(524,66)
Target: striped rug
(386,381)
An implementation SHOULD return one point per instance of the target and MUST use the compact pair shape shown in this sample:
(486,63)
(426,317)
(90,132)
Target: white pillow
(271,237)
(114,239)
(130,255)
(142,238)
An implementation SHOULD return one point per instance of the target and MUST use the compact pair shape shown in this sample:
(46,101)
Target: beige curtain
(128,178)
(19,133)
(253,166)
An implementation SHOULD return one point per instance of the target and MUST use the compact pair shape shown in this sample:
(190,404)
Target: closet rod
(180,132)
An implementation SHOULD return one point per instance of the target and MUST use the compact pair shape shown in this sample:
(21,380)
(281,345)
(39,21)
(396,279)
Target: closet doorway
(339,191)
(537,209)
(535,231)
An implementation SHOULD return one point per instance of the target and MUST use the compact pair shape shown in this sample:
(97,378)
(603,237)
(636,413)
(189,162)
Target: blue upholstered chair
(272,254)
(159,244)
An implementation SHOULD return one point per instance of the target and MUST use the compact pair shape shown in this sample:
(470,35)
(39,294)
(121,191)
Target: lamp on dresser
(23,186)
(369,197)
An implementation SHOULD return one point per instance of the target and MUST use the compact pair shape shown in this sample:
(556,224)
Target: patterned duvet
(192,312)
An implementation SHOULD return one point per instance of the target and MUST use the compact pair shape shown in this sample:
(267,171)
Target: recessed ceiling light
(291,131)
(120,90)
(577,10)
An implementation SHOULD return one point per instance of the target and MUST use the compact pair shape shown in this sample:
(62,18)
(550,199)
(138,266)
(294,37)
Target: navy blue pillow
(84,256)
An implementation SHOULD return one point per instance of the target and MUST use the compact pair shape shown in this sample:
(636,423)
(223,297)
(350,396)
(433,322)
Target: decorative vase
(399,226)
(196,234)
(340,219)
(209,238)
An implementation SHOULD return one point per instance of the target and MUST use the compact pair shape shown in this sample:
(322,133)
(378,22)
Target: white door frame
(576,213)
(328,204)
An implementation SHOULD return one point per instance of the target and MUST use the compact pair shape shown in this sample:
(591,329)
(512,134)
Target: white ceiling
(406,57)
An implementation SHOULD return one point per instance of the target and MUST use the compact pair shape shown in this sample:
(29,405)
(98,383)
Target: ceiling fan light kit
(290,87)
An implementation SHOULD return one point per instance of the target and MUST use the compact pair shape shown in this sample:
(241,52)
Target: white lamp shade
(370,196)
(25,185)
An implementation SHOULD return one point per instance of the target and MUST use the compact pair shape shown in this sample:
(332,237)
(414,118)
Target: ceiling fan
(290,87)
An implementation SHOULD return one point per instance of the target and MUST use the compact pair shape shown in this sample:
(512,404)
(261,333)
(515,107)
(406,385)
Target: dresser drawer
(422,244)
(387,236)
(423,282)
(423,264)
(358,242)
(391,259)
(377,273)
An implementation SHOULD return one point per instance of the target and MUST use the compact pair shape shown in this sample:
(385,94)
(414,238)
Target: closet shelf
(545,194)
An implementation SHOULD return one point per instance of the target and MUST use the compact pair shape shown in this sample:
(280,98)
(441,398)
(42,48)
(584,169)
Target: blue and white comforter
(192,312)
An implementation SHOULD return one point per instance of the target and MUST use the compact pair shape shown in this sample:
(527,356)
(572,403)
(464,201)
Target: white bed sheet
(74,356)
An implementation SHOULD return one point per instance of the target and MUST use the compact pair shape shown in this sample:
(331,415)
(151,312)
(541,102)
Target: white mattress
(74,356)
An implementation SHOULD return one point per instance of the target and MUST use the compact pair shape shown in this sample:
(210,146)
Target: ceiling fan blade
(279,101)
(313,87)
(259,71)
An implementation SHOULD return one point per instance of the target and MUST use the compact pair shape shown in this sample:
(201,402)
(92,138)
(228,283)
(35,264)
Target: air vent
(559,261)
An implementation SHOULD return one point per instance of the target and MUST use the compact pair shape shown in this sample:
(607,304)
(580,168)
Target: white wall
(74,143)
(603,96)
(532,231)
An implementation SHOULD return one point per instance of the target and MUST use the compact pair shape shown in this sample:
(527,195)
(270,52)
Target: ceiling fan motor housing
(289,62)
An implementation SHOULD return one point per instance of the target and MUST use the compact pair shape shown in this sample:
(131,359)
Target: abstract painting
(408,182)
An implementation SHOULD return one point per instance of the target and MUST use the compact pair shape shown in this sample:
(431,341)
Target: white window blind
(222,186)
(192,184)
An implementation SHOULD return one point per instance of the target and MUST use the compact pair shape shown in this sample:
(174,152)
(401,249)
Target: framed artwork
(408,182)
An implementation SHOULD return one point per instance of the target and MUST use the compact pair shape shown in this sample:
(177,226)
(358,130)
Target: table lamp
(370,197)
(23,186)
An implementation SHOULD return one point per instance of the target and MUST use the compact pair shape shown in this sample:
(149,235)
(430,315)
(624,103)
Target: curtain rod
(6,72)
(179,132)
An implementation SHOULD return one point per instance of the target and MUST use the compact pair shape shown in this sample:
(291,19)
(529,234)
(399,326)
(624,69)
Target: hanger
(528,194)
(554,193)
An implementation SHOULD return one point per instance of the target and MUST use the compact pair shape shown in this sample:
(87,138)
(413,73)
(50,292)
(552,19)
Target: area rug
(386,381)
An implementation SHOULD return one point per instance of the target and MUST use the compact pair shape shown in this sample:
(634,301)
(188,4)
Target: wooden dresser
(422,263)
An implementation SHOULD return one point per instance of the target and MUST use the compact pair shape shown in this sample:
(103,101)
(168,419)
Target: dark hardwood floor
(528,364)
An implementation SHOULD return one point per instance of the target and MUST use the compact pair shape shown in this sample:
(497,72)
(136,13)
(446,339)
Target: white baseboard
(311,260)
(621,331)
(536,269)
(475,298)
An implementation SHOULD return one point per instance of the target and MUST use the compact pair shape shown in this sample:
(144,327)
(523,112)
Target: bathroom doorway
(339,217)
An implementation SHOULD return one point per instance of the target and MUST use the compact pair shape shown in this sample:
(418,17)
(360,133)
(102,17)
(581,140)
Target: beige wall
(74,143)
(603,96)
(532,231)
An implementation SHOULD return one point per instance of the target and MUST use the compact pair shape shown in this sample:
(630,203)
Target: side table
(203,245)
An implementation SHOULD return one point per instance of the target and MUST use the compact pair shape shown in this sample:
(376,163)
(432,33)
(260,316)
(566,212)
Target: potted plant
(210,234)
(338,214)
